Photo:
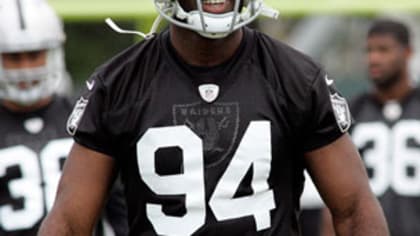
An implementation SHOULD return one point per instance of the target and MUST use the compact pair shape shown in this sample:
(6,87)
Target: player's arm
(341,179)
(83,187)
(326,227)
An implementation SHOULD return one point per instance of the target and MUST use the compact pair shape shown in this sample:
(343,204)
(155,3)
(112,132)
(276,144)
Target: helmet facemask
(211,25)
(206,24)
(39,82)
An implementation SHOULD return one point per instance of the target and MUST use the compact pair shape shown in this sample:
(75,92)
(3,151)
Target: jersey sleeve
(327,116)
(87,121)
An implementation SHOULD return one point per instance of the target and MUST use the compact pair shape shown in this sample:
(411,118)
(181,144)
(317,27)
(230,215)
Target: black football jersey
(32,151)
(215,150)
(388,137)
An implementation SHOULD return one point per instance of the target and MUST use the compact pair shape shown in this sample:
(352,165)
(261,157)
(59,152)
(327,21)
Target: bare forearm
(366,219)
(53,226)
(327,227)
(82,190)
(56,225)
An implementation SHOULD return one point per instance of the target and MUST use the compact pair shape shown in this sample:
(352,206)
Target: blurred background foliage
(89,44)
(331,31)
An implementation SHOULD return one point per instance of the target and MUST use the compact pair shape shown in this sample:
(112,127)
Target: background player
(387,129)
(212,125)
(387,132)
(33,141)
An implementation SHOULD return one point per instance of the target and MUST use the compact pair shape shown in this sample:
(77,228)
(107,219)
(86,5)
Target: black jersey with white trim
(196,166)
(32,150)
(388,137)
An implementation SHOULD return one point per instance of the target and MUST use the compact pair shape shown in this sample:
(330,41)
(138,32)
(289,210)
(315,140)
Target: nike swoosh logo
(329,81)
(90,84)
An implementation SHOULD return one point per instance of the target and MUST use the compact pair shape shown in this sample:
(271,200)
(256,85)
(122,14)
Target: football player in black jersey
(212,124)
(33,140)
(387,130)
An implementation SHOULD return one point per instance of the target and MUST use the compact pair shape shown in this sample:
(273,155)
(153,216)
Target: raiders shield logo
(34,125)
(216,124)
(76,115)
(209,92)
(341,112)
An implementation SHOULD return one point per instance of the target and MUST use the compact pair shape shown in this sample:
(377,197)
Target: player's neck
(396,92)
(15,107)
(199,51)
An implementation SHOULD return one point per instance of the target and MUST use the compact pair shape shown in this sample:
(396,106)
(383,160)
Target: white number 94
(253,151)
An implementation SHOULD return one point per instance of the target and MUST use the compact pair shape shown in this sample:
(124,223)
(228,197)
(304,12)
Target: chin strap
(147,36)
(270,12)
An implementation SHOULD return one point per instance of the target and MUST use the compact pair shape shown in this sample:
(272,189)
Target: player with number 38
(33,111)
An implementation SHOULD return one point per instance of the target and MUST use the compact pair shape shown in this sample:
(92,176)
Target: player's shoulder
(2,108)
(62,103)
(122,79)
(417,92)
(413,100)
(55,113)
(360,99)
(286,60)
(291,74)
(357,102)
(129,62)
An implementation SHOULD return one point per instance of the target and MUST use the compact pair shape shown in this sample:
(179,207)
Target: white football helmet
(213,25)
(30,25)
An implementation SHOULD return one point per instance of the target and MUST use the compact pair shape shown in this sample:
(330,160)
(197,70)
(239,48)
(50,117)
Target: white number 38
(35,169)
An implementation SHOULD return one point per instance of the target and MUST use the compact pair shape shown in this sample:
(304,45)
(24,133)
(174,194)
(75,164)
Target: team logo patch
(392,111)
(209,92)
(76,115)
(341,112)
(34,125)
(216,124)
